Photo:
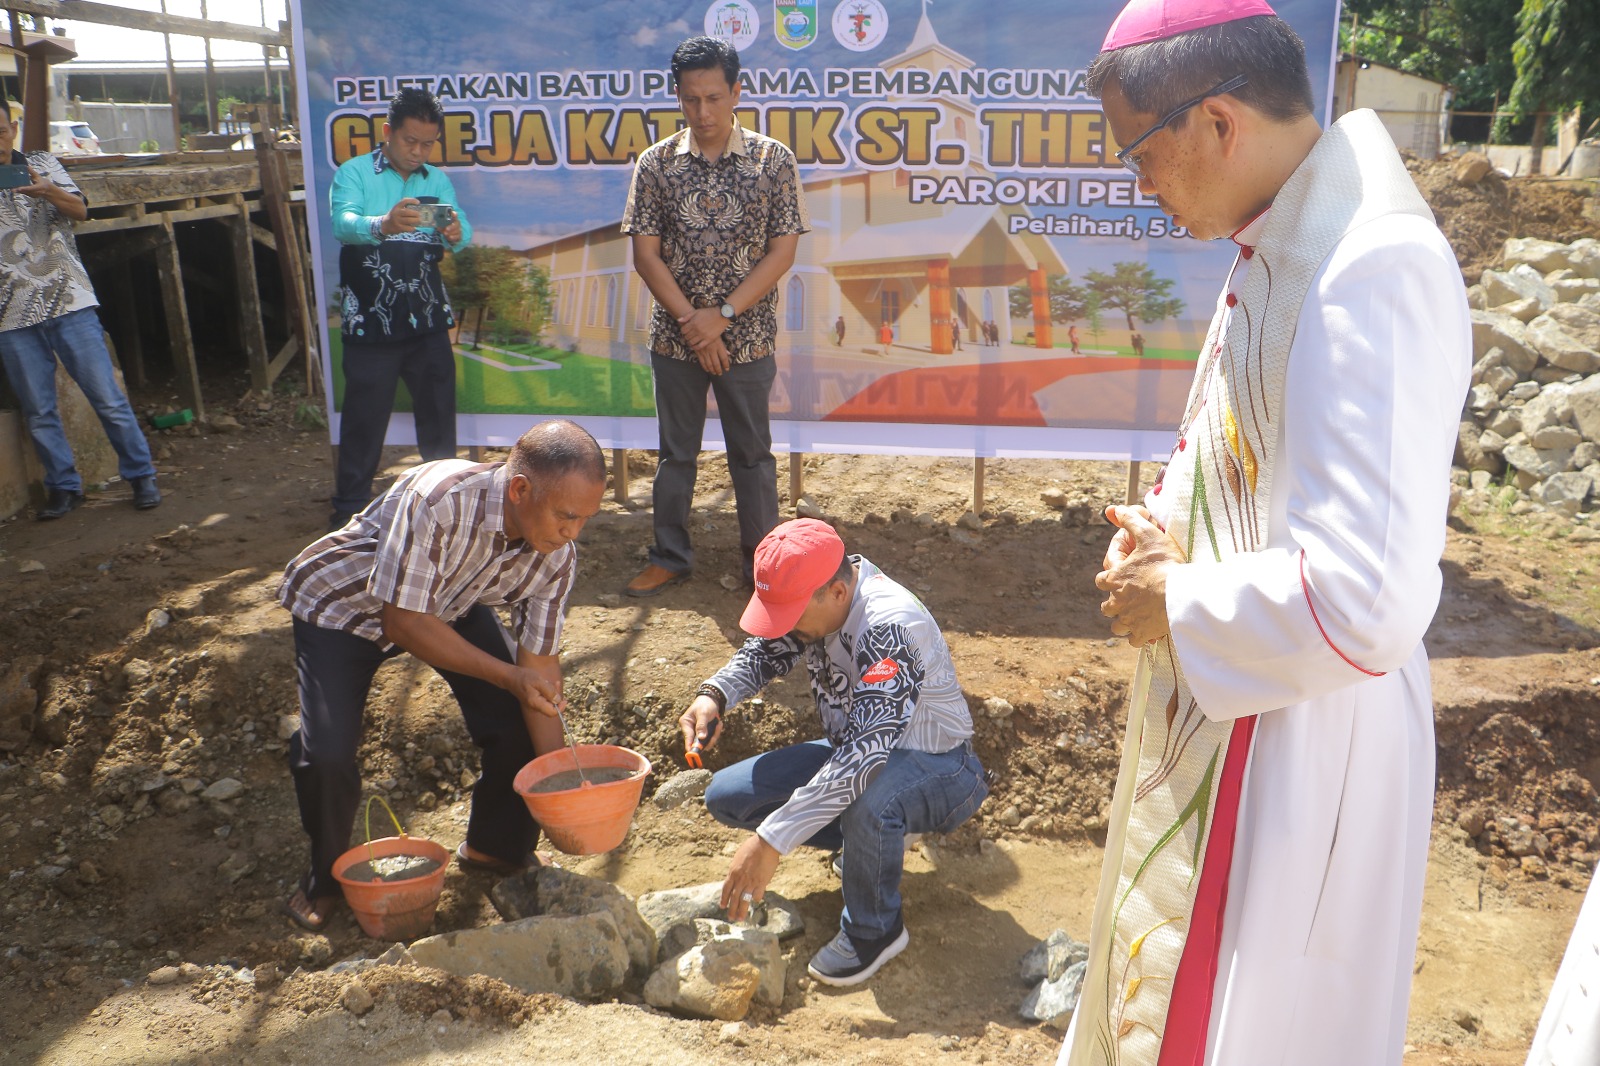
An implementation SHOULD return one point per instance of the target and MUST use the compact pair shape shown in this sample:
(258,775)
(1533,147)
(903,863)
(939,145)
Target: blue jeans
(30,355)
(914,792)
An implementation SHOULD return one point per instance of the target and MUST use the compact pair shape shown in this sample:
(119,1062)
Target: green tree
(1066,300)
(1555,64)
(1091,311)
(471,277)
(519,303)
(1134,289)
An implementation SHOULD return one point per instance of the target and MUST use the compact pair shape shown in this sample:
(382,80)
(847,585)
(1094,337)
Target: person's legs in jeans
(680,388)
(742,402)
(915,792)
(333,670)
(31,368)
(429,371)
(370,374)
(80,343)
(499,825)
(742,795)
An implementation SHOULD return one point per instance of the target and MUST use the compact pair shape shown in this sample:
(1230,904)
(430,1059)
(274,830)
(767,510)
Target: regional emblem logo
(735,21)
(860,25)
(880,671)
(796,22)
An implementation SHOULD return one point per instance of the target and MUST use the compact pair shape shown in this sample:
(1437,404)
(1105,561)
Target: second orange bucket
(591,818)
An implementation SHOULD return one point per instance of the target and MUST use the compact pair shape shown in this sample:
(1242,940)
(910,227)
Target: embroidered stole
(1163,890)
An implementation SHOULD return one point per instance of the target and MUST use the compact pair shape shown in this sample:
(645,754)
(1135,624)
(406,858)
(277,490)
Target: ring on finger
(747,896)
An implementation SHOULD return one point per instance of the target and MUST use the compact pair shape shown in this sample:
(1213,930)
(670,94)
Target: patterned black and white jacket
(883,681)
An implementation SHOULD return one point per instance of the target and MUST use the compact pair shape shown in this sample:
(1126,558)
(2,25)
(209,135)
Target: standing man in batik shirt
(422,571)
(715,212)
(395,322)
(897,758)
(47,312)
(1268,837)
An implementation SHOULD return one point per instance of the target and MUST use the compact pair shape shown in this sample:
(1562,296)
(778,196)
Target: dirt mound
(1479,218)
(420,992)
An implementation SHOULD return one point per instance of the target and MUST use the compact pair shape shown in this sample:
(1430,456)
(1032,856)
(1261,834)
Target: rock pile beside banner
(1530,430)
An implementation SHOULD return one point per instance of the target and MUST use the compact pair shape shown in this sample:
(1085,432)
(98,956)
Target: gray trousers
(742,394)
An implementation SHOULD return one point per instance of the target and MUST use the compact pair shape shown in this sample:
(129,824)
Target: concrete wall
(1410,107)
(21,476)
(123,127)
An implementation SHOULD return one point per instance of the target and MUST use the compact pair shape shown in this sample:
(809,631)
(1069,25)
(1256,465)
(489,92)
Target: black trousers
(427,364)
(334,670)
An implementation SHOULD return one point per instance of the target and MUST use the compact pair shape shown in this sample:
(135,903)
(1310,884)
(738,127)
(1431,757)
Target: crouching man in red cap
(898,756)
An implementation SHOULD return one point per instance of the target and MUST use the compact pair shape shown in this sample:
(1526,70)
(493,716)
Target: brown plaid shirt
(435,543)
(714,221)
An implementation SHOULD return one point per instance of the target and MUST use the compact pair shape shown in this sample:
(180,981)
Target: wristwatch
(727,310)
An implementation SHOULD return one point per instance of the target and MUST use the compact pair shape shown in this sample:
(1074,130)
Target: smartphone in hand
(14,176)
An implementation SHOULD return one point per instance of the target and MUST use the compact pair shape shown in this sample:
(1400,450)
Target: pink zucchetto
(1155,20)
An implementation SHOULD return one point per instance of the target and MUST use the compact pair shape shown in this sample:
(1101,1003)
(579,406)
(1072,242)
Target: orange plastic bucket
(393,910)
(592,818)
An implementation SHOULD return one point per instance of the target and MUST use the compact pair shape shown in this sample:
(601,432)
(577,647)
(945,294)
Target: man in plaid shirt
(421,570)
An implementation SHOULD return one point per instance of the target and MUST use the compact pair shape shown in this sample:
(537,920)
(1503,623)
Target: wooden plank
(198,214)
(252,336)
(262,235)
(797,477)
(111,15)
(290,349)
(99,255)
(977,485)
(619,475)
(92,226)
(125,312)
(1133,483)
(274,185)
(173,304)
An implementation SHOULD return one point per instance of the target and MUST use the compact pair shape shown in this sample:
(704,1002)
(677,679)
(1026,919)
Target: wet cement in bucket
(391,868)
(570,779)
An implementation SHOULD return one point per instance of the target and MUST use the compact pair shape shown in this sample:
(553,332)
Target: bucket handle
(392,817)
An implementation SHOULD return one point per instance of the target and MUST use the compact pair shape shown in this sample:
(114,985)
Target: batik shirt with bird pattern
(885,680)
(714,221)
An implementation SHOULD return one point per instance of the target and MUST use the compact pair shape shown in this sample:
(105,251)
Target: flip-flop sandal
(309,922)
(499,867)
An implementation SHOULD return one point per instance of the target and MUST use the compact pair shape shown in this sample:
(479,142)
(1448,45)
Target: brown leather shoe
(652,579)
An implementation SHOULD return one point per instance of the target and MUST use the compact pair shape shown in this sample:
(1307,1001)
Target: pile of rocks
(1055,969)
(1530,431)
(583,937)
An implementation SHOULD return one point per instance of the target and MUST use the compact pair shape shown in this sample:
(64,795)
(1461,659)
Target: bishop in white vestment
(1264,872)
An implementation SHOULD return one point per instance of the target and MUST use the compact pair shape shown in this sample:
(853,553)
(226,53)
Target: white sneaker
(838,964)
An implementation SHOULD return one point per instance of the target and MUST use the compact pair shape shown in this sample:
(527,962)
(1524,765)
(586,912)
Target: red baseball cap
(792,563)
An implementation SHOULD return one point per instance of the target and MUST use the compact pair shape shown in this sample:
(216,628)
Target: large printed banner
(981,277)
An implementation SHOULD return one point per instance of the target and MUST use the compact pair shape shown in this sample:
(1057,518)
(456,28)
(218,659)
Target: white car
(73,138)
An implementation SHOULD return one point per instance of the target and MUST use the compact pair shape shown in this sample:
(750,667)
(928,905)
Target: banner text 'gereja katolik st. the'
(962,186)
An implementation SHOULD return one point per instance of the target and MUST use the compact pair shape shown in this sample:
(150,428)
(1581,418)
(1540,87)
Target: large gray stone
(582,957)
(681,788)
(1049,959)
(712,980)
(1522,282)
(1583,257)
(1571,290)
(1560,348)
(1500,379)
(1507,422)
(1490,443)
(1556,438)
(759,947)
(1521,310)
(1543,256)
(1580,322)
(775,914)
(1537,464)
(1491,330)
(1488,361)
(1054,1001)
(1483,400)
(1564,493)
(1584,402)
(1552,407)
(553,892)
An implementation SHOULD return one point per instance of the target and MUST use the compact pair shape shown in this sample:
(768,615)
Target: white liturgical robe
(1569,1029)
(1320,634)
